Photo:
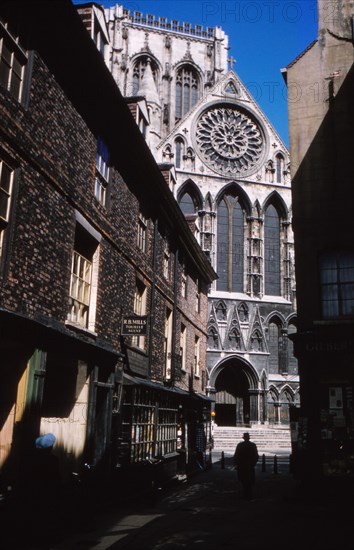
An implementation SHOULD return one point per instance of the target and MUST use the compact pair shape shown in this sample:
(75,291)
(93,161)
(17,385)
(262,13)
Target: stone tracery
(229,140)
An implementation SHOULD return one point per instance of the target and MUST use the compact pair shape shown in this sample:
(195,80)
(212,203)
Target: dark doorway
(232,401)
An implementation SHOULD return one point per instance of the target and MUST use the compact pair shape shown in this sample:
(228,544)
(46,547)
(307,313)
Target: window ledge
(79,328)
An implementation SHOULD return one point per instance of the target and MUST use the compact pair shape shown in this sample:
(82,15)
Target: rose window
(229,140)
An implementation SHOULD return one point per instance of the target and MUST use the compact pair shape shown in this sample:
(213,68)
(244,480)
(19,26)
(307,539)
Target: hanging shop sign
(134,326)
(138,362)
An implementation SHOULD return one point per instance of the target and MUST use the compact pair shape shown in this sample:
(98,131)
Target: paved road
(207,512)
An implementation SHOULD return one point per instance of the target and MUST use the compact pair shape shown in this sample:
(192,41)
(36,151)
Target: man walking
(245,459)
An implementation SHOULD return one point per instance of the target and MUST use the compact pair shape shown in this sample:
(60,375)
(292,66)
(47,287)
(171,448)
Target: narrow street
(208,512)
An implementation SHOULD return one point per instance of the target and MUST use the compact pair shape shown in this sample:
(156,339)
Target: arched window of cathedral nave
(139,70)
(187,90)
(230,244)
(272,285)
(279,168)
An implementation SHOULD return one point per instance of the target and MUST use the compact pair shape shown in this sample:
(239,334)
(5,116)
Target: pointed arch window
(271,252)
(279,167)
(257,341)
(273,344)
(179,152)
(187,90)
(230,252)
(243,313)
(212,338)
(235,339)
(139,70)
(221,312)
(292,361)
(187,204)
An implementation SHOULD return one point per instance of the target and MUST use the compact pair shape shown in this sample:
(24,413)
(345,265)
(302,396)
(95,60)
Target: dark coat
(245,458)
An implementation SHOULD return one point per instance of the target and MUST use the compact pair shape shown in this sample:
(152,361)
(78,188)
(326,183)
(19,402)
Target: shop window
(143,422)
(166,437)
(152,419)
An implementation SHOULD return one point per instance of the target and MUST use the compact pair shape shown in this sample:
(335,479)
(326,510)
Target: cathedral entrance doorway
(236,402)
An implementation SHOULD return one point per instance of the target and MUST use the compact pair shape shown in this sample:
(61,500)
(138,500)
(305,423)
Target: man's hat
(246,435)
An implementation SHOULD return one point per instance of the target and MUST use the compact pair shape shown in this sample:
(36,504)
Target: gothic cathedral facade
(232,182)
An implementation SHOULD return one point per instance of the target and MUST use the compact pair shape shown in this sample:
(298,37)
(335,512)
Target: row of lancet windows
(187,84)
(231,256)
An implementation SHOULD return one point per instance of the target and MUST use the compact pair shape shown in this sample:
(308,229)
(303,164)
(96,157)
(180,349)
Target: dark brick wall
(55,152)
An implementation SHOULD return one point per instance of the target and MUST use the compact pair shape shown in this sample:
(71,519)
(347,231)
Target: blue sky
(264,37)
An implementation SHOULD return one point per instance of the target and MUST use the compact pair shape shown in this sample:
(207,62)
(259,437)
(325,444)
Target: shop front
(325,423)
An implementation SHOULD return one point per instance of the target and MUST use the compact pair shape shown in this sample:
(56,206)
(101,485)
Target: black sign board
(138,362)
(134,326)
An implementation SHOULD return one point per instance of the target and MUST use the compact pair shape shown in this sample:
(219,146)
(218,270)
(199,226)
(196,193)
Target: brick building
(92,240)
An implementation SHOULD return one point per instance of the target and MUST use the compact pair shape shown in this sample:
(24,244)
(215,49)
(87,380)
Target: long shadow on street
(208,512)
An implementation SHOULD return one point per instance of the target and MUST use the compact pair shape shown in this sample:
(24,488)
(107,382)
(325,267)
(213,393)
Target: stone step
(267,439)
